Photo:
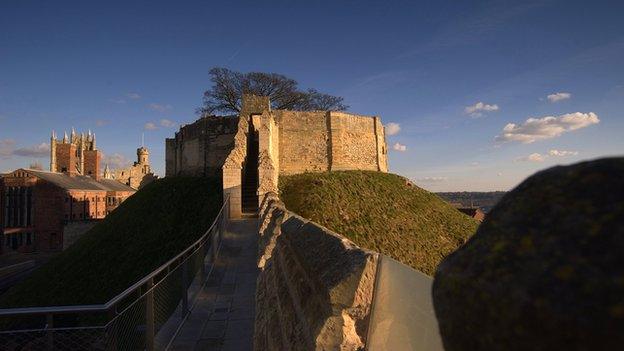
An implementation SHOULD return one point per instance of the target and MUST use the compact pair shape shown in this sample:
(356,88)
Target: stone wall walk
(223,316)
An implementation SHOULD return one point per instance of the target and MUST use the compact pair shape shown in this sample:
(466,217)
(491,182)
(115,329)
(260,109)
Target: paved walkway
(223,315)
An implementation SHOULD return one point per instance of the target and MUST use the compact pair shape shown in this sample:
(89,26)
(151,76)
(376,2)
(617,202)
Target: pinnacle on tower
(93,142)
(65,138)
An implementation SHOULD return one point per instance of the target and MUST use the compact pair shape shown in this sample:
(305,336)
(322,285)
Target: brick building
(76,155)
(46,211)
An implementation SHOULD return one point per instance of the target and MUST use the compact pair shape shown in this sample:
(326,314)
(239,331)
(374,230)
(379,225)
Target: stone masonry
(289,142)
(315,288)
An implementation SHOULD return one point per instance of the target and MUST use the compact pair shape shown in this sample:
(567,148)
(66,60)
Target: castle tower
(143,156)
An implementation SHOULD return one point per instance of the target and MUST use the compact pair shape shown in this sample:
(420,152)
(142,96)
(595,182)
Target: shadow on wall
(545,270)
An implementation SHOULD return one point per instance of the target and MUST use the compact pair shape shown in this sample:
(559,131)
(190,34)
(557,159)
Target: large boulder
(545,270)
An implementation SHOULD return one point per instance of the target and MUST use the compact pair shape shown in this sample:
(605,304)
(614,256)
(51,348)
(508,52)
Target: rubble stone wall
(200,148)
(303,141)
(354,142)
(316,287)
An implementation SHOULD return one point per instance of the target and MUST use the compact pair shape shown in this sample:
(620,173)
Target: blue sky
(452,76)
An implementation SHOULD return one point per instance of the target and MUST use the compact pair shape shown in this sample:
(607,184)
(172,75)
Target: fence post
(49,332)
(149,316)
(184,287)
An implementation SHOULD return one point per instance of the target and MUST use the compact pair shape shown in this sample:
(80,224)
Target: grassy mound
(147,230)
(379,211)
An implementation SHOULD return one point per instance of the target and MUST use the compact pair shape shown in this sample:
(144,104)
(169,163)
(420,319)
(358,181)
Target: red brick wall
(47,225)
(48,200)
(66,158)
(115,198)
(85,205)
(92,163)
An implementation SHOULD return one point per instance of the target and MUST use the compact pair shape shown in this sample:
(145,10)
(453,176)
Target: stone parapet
(316,287)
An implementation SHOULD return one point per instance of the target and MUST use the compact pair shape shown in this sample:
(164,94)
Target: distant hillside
(483,200)
(379,211)
(146,231)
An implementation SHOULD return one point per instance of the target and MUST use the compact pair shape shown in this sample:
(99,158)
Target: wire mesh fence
(146,316)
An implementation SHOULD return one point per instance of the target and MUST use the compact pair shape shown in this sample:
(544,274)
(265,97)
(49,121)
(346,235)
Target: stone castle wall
(307,141)
(200,148)
(303,141)
(289,142)
(315,289)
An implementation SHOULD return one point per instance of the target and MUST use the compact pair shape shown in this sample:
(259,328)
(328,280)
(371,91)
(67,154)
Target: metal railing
(145,316)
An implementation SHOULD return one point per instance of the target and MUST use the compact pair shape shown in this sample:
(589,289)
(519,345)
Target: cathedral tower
(76,155)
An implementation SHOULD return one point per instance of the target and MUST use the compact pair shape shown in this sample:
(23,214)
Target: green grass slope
(380,212)
(147,230)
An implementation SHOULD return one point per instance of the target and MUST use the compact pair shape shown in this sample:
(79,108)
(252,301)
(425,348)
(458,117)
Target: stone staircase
(250,175)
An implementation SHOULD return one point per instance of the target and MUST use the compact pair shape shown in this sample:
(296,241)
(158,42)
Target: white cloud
(116,161)
(167,123)
(558,97)
(150,126)
(133,96)
(6,147)
(159,107)
(479,108)
(548,127)
(399,147)
(41,150)
(534,157)
(562,153)
(432,179)
(392,128)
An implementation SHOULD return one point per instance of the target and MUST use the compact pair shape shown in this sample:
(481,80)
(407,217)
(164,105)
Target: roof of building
(79,182)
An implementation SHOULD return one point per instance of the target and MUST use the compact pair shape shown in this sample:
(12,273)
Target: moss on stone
(545,269)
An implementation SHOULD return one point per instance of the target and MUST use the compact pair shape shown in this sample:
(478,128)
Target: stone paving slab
(223,316)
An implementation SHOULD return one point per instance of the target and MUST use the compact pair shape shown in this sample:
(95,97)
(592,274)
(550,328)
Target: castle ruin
(250,151)
(135,176)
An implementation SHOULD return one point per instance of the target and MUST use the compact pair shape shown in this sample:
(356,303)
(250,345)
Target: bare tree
(229,86)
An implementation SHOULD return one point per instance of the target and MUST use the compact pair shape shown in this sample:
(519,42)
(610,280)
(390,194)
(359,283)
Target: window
(28,239)
(64,169)
(66,199)
(21,239)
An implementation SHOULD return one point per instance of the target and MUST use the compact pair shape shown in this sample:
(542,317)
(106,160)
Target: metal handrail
(112,302)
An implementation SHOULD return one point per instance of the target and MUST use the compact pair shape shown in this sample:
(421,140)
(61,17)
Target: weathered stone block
(545,270)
